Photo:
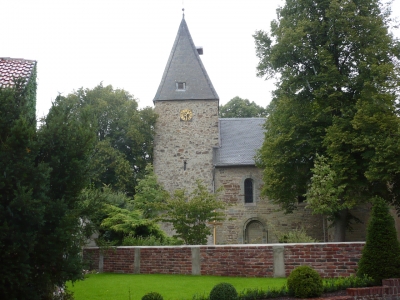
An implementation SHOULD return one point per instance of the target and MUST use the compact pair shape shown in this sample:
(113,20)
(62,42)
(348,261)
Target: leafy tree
(241,108)
(149,194)
(124,222)
(381,254)
(95,206)
(124,135)
(21,194)
(114,216)
(66,142)
(191,214)
(336,97)
(44,221)
(42,173)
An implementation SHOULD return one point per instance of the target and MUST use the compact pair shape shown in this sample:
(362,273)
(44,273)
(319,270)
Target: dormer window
(181,86)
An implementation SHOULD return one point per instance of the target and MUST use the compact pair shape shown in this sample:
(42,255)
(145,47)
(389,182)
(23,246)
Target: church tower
(187,126)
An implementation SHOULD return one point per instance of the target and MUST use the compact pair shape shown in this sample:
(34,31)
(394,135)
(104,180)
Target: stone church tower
(187,126)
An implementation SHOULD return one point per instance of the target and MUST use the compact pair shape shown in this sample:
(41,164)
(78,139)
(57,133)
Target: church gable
(185,77)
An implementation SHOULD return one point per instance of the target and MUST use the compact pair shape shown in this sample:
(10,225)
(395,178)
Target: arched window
(248,191)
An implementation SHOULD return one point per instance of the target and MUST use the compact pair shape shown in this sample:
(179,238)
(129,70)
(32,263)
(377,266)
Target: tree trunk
(340,226)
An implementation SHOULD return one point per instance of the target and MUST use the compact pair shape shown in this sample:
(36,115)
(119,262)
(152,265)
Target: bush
(380,257)
(151,240)
(304,282)
(254,294)
(223,291)
(152,296)
(298,235)
(342,283)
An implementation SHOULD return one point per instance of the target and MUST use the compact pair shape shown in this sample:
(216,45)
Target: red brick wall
(329,259)
(251,261)
(119,260)
(390,290)
(166,260)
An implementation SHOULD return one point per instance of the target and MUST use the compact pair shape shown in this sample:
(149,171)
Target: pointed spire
(185,77)
(183,13)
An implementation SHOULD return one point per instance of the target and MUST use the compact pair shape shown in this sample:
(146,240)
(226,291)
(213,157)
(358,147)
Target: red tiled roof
(13,68)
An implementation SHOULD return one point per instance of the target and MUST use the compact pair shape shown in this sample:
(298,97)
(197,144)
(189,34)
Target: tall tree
(336,97)
(22,188)
(43,172)
(124,134)
(241,108)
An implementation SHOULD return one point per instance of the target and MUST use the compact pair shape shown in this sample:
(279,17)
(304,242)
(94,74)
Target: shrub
(152,296)
(298,235)
(151,240)
(380,257)
(254,294)
(223,291)
(304,282)
(342,283)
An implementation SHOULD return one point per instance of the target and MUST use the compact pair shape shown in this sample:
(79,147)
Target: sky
(126,43)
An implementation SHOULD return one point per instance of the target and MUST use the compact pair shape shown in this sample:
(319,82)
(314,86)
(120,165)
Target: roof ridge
(24,59)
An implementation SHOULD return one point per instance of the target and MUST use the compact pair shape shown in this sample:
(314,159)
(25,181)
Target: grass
(171,287)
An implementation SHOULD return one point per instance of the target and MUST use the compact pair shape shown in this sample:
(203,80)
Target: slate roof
(240,138)
(12,68)
(184,65)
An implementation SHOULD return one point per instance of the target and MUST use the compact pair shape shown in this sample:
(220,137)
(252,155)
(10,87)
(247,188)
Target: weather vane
(183,14)
(183,8)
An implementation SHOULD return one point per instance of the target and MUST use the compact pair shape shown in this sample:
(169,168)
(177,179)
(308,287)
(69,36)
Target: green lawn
(171,287)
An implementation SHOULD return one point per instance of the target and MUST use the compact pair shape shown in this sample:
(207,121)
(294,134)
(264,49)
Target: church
(193,143)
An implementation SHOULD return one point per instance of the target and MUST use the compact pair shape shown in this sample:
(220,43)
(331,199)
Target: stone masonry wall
(192,141)
(268,214)
(329,259)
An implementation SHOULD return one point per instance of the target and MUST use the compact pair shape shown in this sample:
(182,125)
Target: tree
(42,173)
(114,216)
(66,142)
(336,97)
(380,257)
(124,222)
(123,147)
(191,214)
(149,194)
(124,134)
(241,108)
(21,193)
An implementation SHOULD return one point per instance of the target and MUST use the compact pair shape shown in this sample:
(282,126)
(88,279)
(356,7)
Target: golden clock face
(186,114)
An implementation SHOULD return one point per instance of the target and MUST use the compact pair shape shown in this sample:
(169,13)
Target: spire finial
(183,13)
